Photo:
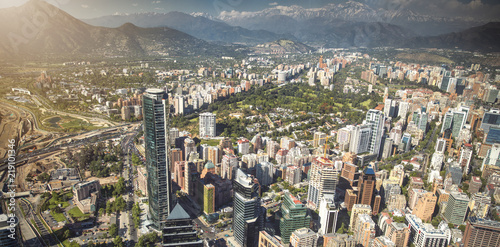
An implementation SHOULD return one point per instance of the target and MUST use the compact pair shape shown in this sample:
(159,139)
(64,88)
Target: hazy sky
(96,8)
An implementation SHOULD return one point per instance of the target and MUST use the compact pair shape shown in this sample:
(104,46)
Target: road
(48,239)
(127,229)
(426,156)
(30,235)
(87,138)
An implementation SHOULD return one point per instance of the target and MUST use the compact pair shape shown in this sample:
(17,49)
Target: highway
(90,137)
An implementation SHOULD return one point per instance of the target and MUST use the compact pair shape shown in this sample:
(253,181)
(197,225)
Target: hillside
(482,38)
(54,33)
(197,26)
(283,46)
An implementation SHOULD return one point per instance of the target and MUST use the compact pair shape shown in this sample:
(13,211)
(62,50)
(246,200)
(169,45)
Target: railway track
(43,234)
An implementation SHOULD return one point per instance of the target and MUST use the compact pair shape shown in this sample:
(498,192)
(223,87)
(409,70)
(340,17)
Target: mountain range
(197,26)
(38,29)
(351,11)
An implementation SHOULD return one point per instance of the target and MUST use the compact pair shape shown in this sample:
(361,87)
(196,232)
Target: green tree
(113,230)
(342,229)
(462,228)
(119,187)
(120,204)
(135,159)
(118,241)
(44,177)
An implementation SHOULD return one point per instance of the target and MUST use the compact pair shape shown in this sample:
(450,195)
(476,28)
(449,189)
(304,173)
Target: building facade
(207,125)
(156,115)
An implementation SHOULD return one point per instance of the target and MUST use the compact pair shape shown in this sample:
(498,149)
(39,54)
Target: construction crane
(326,141)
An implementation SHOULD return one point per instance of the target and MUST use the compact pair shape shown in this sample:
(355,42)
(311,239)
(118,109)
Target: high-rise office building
(178,230)
(366,186)
(358,209)
(293,175)
(293,216)
(156,115)
(465,157)
(209,198)
(360,139)
(323,180)
(189,147)
(425,206)
(481,233)
(388,147)
(248,214)
(7,237)
(328,214)
(207,125)
(264,173)
(457,208)
(406,140)
(364,231)
(398,233)
(375,119)
(319,139)
(459,118)
(447,121)
(350,173)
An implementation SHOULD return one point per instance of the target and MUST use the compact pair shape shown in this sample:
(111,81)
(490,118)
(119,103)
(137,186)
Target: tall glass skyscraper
(156,114)
(376,119)
(294,216)
(248,214)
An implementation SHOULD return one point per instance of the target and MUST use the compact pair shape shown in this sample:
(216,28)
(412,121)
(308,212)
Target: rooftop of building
(243,178)
(209,165)
(399,226)
(271,238)
(362,206)
(293,198)
(476,179)
(459,196)
(178,213)
(155,91)
(303,232)
(425,228)
(484,222)
(386,241)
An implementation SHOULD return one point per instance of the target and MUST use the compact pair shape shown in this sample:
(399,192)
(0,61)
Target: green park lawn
(77,213)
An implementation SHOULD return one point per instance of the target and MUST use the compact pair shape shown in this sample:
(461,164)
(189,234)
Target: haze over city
(250,123)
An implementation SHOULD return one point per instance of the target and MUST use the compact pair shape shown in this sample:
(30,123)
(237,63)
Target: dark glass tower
(178,230)
(248,213)
(366,186)
(293,216)
(155,105)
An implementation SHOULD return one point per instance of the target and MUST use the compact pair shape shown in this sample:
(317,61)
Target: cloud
(85,6)
(135,4)
(156,2)
(483,9)
(455,8)
(273,3)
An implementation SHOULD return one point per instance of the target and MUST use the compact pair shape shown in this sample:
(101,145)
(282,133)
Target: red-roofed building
(243,146)
(281,156)
(416,183)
